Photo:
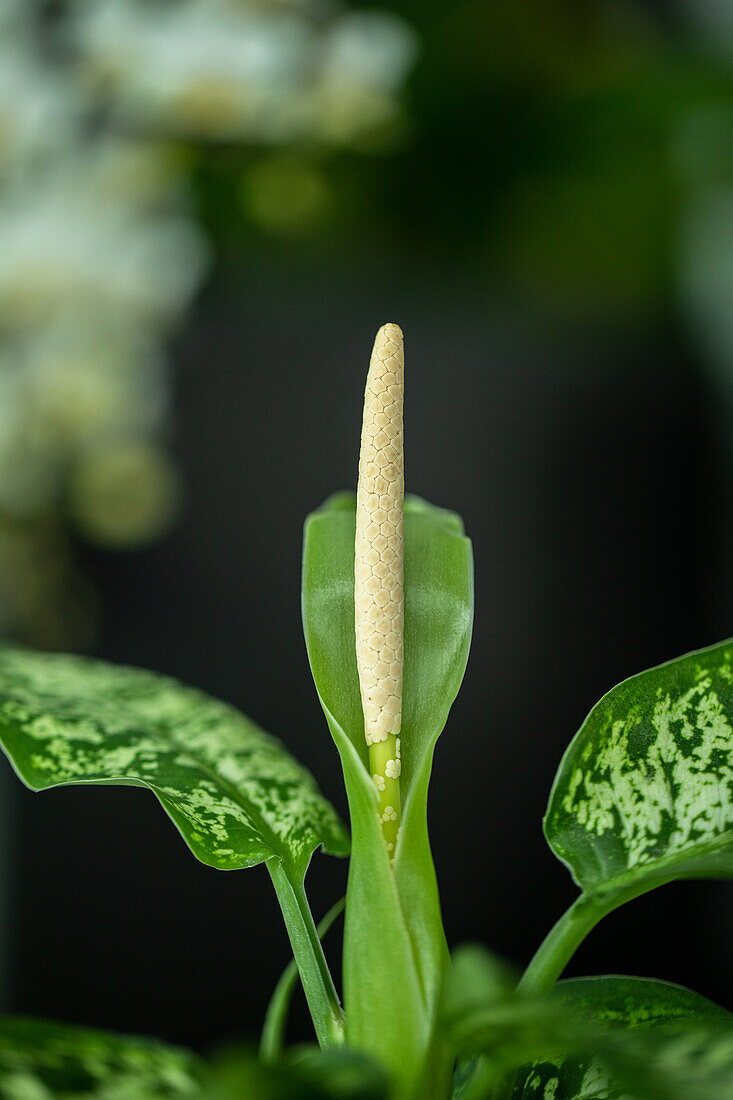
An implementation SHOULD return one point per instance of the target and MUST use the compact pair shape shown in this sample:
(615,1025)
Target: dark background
(524,239)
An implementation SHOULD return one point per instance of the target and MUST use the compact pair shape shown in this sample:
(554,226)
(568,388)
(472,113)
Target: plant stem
(320,992)
(559,946)
(273,1029)
(561,943)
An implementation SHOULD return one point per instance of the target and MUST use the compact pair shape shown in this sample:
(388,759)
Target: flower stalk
(379,572)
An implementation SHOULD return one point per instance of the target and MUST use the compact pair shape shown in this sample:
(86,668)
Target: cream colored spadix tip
(378,572)
(390,331)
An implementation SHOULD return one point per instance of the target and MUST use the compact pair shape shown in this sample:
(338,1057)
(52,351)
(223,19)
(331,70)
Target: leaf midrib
(650,873)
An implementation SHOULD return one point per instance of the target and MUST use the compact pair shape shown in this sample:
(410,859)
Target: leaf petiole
(320,992)
(564,939)
(273,1029)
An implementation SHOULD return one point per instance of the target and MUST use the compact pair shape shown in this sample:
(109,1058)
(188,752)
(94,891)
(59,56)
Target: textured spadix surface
(236,796)
(644,793)
(379,551)
(379,598)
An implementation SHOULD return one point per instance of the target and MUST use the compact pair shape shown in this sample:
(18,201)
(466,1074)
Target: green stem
(559,946)
(561,943)
(273,1029)
(383,755)
(320,992)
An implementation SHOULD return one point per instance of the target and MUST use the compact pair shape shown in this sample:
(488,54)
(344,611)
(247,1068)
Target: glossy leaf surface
(644,793)
(408,955)
(234,793)
(636,1002)
(605,1038)
(667,1043)
(40,1060)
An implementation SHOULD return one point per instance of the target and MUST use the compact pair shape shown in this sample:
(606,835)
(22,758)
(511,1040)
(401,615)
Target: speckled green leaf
(636,1002)
(40,1061)
(656,1040)
(236,796)
(404,905)
(604,1038)
(644,793)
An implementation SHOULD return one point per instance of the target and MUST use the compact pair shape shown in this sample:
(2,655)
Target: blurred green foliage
(549,149)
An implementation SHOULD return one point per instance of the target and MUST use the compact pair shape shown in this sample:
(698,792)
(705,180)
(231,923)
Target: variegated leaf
(608,1038)
(40,1060)
(644,793)
(658,1041)
(236,796)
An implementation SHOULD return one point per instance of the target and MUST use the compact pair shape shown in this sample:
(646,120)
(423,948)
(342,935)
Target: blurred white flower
(64,390)
(133,172)
(86,383)
(40,111)
(69,236)
(372,49)
(364,61)
(203,67)
(99,252)
(265,72)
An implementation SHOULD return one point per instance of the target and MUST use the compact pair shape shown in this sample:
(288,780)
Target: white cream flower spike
(378,571)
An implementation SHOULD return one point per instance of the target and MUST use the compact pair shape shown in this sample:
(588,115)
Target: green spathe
(394,951)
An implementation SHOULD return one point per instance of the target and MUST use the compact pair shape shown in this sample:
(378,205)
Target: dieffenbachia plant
(643,796)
